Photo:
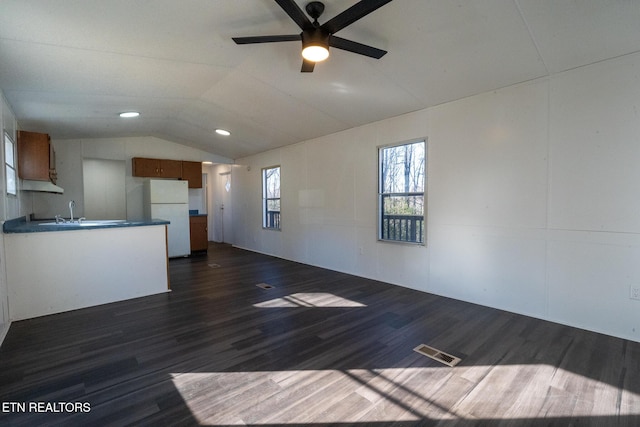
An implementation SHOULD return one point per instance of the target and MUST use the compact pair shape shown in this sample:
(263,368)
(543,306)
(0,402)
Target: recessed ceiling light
(129,114)
(223,132)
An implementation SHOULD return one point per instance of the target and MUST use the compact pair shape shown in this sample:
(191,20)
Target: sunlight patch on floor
(309,299)
(397,394)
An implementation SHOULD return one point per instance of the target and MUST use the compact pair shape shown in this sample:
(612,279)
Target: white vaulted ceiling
(67,67)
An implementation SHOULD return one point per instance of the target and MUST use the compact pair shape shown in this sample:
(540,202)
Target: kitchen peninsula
(53,268)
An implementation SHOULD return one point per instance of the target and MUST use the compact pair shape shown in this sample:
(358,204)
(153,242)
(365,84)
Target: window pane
(8,151)
(272,214)
(11,181)
(273,183)
(402,168)
(402,218)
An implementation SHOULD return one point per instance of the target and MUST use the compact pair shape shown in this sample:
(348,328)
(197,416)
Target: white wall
(533,200)
(9,208)
(69,157)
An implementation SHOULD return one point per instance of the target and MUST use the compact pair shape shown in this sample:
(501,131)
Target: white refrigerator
(169,200)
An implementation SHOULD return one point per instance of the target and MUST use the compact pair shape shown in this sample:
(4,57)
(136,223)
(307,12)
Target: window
(271,197)
(10,166)
(401,177)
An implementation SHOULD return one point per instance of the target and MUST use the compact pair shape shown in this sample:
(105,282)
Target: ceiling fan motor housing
(315,37)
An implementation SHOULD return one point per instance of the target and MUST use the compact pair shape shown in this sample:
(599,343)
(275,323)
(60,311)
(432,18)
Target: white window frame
(271,220)
(403,228)
(10,170)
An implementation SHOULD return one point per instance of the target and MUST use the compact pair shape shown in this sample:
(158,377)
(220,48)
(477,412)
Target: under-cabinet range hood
(42,186)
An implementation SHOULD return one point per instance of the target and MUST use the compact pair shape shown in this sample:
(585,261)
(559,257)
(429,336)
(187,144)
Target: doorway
(223,226)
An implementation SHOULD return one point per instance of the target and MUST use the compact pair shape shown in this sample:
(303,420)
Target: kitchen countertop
(21,225)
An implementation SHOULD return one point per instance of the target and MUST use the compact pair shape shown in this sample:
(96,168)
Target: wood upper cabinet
(170,168)
(198,233)
(36,159)
(156,168)
(192,172)
(165,168)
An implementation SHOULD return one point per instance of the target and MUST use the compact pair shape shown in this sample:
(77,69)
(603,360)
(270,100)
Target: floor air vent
(438,355)
(264,286)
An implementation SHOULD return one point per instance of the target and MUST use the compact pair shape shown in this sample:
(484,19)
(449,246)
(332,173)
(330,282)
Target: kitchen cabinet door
(170,169)
(156,168)
(33,156)
(145,167)
(198,232)
(192,172)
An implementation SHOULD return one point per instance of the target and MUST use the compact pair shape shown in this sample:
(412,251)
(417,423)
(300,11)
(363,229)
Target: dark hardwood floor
(318,348)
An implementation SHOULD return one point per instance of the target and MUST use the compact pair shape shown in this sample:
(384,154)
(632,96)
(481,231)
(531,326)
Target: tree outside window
(271,198)
(401,192)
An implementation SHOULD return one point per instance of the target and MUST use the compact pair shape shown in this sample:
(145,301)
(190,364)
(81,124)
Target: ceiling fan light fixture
(315,46)
(315,53)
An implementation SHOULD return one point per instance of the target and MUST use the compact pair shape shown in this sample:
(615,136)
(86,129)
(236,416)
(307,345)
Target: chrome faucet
(72,204)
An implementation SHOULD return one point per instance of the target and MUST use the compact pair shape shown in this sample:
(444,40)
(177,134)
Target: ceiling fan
(317,38)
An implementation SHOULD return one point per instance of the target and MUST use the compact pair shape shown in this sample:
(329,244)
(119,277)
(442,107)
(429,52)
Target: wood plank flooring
(319,348)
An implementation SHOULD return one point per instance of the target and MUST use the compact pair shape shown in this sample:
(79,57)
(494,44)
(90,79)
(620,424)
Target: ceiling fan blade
(295,13)
(355,47)
(351,15)
(307,66)
(267,39)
